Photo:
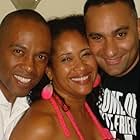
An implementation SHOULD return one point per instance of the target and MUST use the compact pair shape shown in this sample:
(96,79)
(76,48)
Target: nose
(29,65)
(110,48)
(79,65)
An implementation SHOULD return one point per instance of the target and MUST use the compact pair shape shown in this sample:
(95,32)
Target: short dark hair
(72,22)
(23,13)
(130,3)
(59,25)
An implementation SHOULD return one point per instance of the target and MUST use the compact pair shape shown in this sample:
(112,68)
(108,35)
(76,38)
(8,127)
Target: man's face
(113,34)
(24,54)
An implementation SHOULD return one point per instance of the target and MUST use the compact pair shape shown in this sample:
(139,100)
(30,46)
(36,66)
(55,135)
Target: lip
(113,61)
(22,80)
(81,79)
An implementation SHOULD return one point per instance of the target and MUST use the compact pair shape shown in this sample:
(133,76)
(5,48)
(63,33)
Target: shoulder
(38,122)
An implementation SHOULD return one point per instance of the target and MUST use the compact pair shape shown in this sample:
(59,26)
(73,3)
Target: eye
(87,53)
(121,35)
(42,57)
(18,52)
(95,37)
(66,59)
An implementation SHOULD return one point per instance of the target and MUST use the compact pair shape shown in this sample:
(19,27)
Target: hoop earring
(97,81)
(47,91)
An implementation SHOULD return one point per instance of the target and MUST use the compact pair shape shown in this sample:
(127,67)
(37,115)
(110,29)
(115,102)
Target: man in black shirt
(113,31)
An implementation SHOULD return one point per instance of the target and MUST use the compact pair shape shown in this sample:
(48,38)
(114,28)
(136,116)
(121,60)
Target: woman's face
(73,68)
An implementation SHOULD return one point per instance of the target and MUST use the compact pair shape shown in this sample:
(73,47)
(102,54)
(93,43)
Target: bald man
(24,45)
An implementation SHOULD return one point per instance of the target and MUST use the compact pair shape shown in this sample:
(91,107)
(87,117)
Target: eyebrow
(115,31)
(87,48)
(121,28)
(16,45)
(64,54)
(93,33)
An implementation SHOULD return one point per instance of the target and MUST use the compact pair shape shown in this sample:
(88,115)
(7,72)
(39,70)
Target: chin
(114,73)
(86,92)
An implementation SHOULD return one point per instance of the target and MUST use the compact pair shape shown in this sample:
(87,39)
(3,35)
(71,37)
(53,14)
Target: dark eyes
(121,35)
(42,57)
(118,36)
(66,59)
(18,52)
(88,53)
(95,37)
(83,55)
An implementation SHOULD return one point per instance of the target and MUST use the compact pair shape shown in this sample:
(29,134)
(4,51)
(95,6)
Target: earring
(97,81)
(47,91)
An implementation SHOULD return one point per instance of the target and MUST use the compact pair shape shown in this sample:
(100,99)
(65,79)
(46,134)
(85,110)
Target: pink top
(55,100)
(104,131)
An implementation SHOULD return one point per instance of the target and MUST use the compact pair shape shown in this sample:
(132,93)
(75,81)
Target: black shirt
(117,104)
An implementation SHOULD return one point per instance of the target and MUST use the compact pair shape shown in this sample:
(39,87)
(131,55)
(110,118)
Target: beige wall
(138,6)
(53,8)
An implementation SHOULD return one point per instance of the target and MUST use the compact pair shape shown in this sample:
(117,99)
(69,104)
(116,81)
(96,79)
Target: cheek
(59,77)
(94,46)
(60,73)
(40,70)
(127,46)
(92,62)
(66,69)
(94,67)
(7,63)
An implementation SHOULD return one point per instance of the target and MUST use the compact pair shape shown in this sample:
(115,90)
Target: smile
(22,79)
(113,61)
(81,78)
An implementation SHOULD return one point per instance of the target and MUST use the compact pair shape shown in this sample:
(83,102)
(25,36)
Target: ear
(48,72)
(138,27)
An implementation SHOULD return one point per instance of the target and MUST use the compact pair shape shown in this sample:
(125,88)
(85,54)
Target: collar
(22,101)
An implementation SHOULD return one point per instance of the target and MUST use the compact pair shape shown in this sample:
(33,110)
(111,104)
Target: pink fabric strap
(103,131)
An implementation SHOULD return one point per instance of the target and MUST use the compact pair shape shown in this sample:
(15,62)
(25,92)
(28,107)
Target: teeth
(22,79)
(80,79)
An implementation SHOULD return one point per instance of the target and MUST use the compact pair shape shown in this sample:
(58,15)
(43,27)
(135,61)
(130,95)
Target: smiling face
(73,67)
(24,56)
(113,34)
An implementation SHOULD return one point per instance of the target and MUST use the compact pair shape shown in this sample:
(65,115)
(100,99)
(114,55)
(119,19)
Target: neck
(6,93)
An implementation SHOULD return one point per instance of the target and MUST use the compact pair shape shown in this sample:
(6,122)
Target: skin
(24,56)
(71,59)
(72,62)
(113,33)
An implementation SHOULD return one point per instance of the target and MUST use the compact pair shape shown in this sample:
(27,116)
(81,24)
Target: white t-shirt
(9,116)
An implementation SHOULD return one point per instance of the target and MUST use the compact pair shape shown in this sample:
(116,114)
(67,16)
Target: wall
(53,8)
(138,6)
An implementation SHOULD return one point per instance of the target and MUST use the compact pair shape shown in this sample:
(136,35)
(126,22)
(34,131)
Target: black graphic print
(120,117)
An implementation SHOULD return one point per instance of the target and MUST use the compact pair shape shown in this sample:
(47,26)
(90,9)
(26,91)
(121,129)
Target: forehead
(20,27)
(19,23)
(26,32)
(70,41)
(109,15)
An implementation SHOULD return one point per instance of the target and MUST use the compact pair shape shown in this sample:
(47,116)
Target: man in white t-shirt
(24,45)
